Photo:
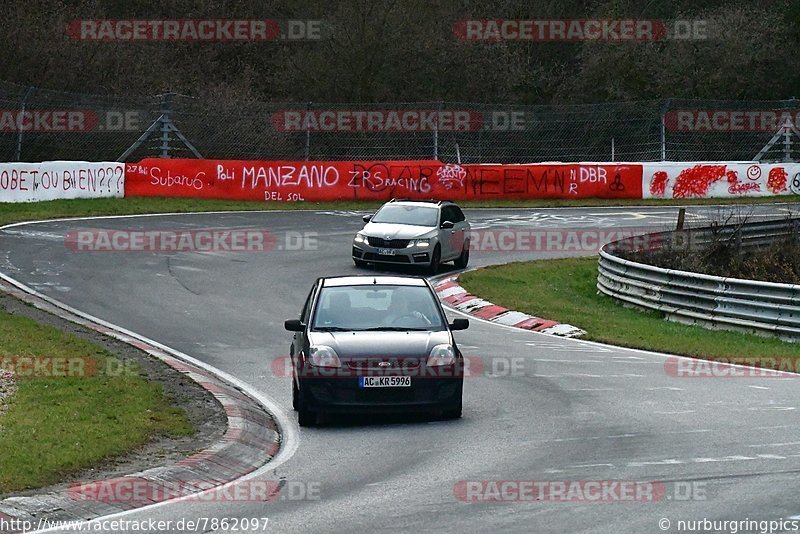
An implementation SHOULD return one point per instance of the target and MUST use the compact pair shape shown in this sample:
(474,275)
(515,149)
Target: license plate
(384,381)
(386,252)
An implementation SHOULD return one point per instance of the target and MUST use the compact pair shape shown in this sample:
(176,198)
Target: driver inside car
(401,312)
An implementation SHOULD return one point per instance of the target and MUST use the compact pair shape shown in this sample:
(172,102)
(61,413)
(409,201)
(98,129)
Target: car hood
(380,344)
(395,231)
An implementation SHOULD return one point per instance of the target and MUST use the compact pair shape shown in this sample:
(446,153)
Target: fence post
(164,124)
(165,110)
(308,132)
(436,133)
(787,133)
(18,152)
(681,219)
(664,109)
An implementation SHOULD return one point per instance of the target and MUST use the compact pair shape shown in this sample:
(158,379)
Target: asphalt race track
(578,412)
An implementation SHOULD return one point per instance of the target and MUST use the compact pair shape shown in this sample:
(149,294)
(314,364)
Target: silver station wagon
(416,233)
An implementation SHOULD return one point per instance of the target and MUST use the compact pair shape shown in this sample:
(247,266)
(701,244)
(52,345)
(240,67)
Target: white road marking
(677,461)
(593,389)
(545,360)
(587,375)
(776,444)
(669,461)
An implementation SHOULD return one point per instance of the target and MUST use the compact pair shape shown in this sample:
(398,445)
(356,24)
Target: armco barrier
(53,180)
(295,181)
(728,303)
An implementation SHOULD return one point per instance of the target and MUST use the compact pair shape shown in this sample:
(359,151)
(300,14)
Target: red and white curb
(452,294)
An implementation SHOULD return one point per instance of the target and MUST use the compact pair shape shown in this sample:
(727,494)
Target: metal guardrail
(726,303)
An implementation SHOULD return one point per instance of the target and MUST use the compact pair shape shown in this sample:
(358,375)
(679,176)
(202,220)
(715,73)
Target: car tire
(305,417)
(436,258)
(462,261)
(295,396)
(360,263)
(454,413)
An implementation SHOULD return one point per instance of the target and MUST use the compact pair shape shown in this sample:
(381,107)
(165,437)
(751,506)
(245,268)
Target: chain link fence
(39,125)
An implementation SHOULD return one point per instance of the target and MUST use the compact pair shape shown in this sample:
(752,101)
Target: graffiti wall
(298,181)
(719,179)
(52,180)
(293,181)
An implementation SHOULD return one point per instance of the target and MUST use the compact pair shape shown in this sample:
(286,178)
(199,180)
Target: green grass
(565,290)
(15,212)
(57,426)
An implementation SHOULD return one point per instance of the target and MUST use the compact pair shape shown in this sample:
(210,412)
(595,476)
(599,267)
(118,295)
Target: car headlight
(360,238)
(441,355)
(419,243)
(324,356)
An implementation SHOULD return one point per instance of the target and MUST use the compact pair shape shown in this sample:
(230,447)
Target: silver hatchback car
(414,232)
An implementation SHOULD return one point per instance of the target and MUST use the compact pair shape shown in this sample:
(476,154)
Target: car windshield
(377,307)
(406,214)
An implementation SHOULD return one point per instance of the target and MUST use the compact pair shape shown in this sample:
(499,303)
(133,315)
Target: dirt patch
(7,389)
(203,411)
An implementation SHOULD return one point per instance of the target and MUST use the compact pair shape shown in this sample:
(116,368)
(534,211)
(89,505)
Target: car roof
(418,202)
(363,280)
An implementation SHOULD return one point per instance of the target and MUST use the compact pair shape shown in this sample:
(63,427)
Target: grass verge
(565,290)
(58,425)
(53,209)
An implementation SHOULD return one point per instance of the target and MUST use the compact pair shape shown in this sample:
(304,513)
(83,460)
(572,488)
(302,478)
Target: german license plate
(384,381)
(386,252)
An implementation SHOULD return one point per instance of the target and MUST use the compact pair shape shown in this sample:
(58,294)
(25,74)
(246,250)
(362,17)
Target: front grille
(400,258)
(387,243)
(398,365)
(380,395)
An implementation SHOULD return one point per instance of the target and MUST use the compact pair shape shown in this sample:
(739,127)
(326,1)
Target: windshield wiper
(333,329)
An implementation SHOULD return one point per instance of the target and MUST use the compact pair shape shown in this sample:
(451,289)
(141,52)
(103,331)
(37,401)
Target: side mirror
(294,325)
(459,324)
(448,224)
(366,218)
